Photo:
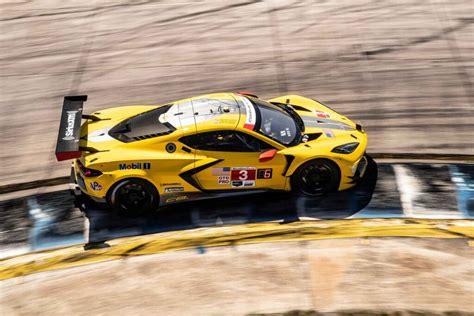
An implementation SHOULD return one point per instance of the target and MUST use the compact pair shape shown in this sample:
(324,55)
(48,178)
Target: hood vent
(142,126)
(313,136)
(300,108)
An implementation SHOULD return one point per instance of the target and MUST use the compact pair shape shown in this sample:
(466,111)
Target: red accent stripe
(249,126)
(60,156)
(250,94)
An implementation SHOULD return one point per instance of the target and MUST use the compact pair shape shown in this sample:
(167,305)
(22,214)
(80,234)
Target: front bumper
(360,168)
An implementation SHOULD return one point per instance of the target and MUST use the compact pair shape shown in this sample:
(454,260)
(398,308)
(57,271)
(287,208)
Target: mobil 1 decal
(135,165)
(264,173)
(243,176)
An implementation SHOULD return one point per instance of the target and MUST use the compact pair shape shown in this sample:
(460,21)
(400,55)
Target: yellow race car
(136,158)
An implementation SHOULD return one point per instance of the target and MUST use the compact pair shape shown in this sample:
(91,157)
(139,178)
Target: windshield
(276,123)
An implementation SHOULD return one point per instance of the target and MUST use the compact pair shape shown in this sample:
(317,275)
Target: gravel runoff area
(368,274)
(403,69)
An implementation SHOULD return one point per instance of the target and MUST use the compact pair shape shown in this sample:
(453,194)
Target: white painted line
(12,252)
(408,188)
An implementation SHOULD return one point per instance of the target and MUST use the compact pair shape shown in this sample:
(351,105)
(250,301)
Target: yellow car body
(192,156)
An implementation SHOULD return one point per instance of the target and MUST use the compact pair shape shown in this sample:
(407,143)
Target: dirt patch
(378,274)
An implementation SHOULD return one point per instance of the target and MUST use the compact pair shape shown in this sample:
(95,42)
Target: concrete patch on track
(387,274)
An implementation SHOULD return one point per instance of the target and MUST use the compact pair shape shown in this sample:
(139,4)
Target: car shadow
(251,208)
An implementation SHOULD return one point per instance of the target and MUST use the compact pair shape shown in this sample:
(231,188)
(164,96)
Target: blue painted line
(201,250)
(56,243)
(374,213)
(43,221)
(465,190)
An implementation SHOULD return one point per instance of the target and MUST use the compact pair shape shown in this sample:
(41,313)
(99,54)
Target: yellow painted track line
(233,235)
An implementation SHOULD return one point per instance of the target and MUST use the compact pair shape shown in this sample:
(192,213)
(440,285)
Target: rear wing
(67,146)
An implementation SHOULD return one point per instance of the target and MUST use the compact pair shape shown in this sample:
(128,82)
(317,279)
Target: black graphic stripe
(188,175)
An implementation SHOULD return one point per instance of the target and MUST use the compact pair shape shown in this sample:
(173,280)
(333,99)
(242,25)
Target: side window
(230,141)
(254,143)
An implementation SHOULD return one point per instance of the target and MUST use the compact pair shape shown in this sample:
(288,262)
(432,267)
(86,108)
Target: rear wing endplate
(67,146)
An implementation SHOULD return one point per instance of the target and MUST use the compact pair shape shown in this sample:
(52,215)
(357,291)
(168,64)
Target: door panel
(240,171)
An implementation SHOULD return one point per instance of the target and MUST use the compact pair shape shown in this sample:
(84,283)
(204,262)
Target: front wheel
(316,177)
(133,197)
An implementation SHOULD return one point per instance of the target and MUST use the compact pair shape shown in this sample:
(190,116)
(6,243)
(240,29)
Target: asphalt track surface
(401,69)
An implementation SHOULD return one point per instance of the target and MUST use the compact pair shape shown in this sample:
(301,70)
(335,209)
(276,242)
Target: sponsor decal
(328,133)
(223,180)
(285,132)
(250,115)
(174,189)
(71,119)
(321,114)
(224,121)
(137,165)
(243,173)
(221,171)
(96,186)
(246,183)
(176,199)
(172,183)
(264,173)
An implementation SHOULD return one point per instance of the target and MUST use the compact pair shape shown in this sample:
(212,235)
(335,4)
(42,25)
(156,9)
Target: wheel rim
(133,196)
(316,179)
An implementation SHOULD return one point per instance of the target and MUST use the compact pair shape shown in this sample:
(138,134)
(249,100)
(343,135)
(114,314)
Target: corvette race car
(136,158)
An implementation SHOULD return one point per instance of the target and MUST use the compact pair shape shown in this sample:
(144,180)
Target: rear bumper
(78,189)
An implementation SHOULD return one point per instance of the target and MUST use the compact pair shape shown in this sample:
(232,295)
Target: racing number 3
(244,174)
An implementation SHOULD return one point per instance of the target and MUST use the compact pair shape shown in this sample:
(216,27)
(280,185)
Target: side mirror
(267,155)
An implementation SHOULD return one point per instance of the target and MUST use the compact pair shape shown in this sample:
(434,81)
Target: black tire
(133,197)
(316,178)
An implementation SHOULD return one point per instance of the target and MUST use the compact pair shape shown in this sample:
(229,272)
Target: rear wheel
(133,197)
(316,177)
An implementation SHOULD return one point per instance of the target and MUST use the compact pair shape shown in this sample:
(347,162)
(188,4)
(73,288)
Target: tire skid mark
(463,23)
(94,10)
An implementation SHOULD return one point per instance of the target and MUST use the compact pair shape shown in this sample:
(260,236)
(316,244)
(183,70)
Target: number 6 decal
(264,173)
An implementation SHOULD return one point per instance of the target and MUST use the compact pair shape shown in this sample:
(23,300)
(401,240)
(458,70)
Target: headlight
(346,148)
